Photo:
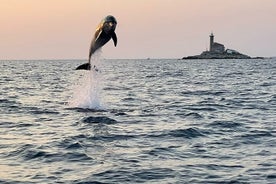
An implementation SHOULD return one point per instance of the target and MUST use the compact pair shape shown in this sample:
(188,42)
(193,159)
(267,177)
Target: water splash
(87,92)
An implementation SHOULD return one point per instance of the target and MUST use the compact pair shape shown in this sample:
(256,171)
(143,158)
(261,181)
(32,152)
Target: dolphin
(104,32)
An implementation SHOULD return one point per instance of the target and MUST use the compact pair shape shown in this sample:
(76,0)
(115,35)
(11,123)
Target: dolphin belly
(101,41)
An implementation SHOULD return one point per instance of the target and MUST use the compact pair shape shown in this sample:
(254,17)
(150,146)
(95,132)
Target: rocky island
(218,51)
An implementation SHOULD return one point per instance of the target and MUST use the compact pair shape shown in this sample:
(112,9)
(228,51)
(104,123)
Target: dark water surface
(164,121)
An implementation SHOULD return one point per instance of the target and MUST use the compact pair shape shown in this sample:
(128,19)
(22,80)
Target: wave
(99,119)
(30,152)
(225,124)
(188,133)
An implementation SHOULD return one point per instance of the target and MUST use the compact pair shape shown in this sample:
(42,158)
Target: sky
(63,29)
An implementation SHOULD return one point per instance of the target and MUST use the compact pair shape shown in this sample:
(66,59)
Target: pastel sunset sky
(63,29)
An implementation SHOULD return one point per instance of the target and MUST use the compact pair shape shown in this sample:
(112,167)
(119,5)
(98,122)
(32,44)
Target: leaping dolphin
(104,32)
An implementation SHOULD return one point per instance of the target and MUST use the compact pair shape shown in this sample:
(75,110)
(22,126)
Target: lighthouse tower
(211,41)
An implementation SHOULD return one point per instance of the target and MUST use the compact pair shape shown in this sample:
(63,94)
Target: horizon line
(62,59)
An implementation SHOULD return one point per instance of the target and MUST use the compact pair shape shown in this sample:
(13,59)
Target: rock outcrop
(227,54)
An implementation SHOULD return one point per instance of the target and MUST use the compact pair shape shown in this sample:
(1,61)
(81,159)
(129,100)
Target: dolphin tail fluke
(86,66)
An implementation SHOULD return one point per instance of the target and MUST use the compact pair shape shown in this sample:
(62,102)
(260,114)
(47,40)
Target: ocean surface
(138,121)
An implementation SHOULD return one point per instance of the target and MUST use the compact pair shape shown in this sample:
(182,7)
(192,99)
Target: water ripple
(162,121)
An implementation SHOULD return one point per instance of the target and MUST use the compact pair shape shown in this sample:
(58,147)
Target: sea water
(138,121)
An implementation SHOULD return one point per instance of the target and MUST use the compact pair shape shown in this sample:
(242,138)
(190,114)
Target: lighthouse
(214,46)
(211,42)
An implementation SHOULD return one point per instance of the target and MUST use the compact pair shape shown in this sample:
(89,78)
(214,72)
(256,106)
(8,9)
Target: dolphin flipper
(85,66)
(114,38)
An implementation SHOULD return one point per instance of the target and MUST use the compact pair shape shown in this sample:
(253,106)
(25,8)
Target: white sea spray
(87,92)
